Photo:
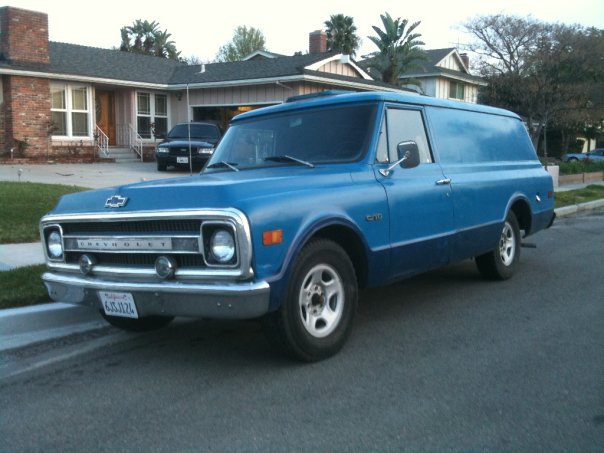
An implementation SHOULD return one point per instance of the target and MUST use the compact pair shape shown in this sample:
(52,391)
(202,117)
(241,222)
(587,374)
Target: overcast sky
(199,28)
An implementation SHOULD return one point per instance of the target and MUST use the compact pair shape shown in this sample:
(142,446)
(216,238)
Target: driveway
(95,175)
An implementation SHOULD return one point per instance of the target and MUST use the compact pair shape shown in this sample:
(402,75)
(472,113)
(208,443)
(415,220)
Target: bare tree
(545,72)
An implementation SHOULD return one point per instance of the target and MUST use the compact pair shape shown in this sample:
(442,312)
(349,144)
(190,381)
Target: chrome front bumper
(217,301)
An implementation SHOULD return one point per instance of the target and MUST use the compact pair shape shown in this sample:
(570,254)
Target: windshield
(303,137)
(208,131)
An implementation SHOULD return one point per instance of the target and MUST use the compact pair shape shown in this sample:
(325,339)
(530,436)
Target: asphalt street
(444,361)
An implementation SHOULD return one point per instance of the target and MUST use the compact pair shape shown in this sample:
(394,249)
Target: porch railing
(102,142)
(127,136)
(135,142)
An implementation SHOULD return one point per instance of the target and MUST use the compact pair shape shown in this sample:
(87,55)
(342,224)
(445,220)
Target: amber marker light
(272,237)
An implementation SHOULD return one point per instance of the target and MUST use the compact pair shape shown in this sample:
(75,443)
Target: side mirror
(408,153)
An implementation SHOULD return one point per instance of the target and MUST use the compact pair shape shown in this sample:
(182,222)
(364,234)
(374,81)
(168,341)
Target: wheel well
(352,245)
(522,211)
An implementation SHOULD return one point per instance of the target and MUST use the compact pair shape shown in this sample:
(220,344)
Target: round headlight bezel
(54,245)
(222,246)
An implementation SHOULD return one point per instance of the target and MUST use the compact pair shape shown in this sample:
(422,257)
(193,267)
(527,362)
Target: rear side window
(472,137)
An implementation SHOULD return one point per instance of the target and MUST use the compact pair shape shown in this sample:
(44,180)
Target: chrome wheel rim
(321,301)
(507,244)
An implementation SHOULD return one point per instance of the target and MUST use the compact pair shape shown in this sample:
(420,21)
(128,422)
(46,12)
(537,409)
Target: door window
(404,125)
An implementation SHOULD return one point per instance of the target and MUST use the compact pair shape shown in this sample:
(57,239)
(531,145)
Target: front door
(105,116)
(419,199)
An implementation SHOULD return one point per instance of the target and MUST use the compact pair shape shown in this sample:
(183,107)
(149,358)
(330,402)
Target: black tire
(143,324)
(501,263)
(573,159)
(308,325)
(161,166)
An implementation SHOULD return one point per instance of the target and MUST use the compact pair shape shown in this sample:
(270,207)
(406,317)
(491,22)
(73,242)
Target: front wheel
(501,263)
(143,324)
(315,318)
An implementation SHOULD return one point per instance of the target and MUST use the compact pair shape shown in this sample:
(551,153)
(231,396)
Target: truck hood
(226,189)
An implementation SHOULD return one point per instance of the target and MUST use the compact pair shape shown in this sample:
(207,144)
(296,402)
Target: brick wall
(25,109)
(23,35)
(26,116)
(317,42)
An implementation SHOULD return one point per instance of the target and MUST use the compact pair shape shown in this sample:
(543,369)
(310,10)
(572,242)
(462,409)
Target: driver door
(419,199)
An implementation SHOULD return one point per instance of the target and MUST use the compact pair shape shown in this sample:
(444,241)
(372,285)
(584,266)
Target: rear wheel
(143,324)
(315,319)
(501,263)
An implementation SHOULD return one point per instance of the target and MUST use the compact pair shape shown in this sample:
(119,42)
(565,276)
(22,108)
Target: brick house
(75,103)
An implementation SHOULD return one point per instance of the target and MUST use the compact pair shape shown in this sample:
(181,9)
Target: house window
(457,90)
(151,109)
(70,110)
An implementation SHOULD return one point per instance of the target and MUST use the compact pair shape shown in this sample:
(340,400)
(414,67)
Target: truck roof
(326,98)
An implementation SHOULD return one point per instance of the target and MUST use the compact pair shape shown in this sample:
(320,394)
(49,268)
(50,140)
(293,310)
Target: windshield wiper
(286,158)
(223,164)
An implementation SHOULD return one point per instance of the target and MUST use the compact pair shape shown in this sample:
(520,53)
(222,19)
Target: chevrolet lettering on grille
(129,244)
(116,201)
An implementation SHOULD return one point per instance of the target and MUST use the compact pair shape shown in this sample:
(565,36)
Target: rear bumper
(217,301)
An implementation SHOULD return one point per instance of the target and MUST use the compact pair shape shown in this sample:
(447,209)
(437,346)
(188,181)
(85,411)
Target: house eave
(196,85)
(339,57)
(83,79)
(463,77)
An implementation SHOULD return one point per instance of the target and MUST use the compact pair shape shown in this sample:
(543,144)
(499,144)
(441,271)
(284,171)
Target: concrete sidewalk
(19,255)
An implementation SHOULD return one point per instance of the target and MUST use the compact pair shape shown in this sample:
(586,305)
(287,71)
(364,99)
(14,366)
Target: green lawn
(22,204)
(570,197)
(23,286)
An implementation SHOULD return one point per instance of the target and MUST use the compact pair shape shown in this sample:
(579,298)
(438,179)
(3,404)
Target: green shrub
(581,166)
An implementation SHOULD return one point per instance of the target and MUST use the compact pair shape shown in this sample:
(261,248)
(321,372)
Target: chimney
(317,42)
(23,35)
(465,59)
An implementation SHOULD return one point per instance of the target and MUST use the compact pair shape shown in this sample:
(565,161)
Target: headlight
(222,246)
(207,151)
(161,149)
(54,245)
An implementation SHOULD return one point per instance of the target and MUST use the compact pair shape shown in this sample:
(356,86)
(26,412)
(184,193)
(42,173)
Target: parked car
(302,205)
(187,143)
(596,155)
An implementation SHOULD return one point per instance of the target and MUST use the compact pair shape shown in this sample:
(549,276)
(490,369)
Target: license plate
(118,304)
(182,160)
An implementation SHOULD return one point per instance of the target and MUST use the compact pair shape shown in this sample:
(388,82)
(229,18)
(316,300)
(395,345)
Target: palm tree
(399,49)
(163,46)
(144,35)
(341,34)
(146,38)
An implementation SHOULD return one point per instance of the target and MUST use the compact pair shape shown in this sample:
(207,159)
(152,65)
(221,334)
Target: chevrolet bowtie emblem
(116,201)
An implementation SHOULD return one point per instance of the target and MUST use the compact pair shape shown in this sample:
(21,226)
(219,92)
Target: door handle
(443,182)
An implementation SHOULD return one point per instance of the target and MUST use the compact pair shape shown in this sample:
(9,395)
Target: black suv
(177,150)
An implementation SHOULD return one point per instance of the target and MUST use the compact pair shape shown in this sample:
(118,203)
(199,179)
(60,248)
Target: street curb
(576,208)
(21,327)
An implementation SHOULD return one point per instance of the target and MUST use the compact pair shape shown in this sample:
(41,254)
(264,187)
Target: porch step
(122,155)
